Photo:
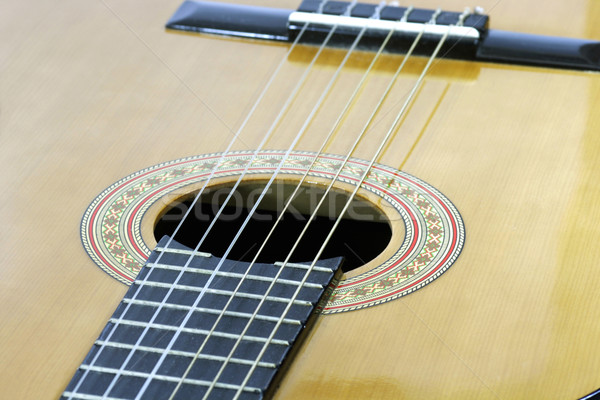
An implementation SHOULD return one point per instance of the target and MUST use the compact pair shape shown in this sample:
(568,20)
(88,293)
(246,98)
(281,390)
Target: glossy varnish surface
(92,91)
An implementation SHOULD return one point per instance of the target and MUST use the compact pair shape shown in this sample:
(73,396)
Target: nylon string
(217,268)
(292,196)
(286,261)
(308,120)
(292,96)
(197,197)
(367,170)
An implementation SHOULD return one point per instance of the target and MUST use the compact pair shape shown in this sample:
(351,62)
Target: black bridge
(466,34)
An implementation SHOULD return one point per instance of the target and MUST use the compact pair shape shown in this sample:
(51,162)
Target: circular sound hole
(362,234)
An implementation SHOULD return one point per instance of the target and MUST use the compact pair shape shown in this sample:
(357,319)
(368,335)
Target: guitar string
(357,187)
(230,146)
(223,366)
(216,217)
(333,180)
(197,197)
(223,259)
(291,197)
(326,140)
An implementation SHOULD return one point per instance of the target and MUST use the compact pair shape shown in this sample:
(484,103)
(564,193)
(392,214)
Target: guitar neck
(246,315)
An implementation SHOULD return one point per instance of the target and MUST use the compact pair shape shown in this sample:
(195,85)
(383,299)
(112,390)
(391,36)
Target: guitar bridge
(467,34)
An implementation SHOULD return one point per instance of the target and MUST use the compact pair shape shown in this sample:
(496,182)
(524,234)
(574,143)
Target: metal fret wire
(200,296)
(220,292)
(204,310)
(197,197)
(308,120)
(168,378)
(199,332)
(191,252)
(231,275)
(379,150)
(182,353)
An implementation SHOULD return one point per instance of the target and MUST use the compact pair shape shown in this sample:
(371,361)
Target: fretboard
(174,335)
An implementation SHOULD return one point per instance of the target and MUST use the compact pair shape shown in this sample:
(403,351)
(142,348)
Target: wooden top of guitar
(94,91)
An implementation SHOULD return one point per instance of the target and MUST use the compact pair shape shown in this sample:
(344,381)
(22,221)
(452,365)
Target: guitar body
(93,91)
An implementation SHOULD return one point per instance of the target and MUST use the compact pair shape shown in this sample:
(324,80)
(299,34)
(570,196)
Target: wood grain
(92,91)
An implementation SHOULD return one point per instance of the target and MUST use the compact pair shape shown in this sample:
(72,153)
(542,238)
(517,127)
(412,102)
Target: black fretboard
(149,349)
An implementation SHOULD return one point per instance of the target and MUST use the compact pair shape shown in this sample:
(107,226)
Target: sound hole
(362,234)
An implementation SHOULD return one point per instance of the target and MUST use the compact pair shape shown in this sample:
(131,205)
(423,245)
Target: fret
(212,311)
(316,268)
(235,275)
(83,396)
(277,263)
(182,353)
(222,292)
(198,331)
(182,251)
(168,378)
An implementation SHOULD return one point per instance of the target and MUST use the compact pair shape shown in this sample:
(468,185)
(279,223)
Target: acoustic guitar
(471,236)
